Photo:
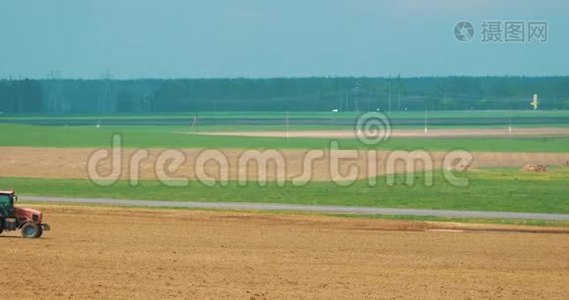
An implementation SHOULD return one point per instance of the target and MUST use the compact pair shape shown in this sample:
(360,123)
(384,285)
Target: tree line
(106,96)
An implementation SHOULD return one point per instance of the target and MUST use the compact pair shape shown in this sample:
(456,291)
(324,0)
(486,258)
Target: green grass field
(179,137)
(492,190)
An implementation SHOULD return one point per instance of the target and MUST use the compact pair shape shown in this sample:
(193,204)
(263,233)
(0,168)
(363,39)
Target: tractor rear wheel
(40,232)
(31,231)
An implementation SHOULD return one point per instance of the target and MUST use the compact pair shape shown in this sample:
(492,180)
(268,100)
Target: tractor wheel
(40,232)
(31,231)
(1,225)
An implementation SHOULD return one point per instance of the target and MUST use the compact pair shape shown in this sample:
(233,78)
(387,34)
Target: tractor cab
(7,199)
(29,221)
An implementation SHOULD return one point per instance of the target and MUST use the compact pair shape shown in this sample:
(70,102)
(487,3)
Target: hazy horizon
(394,77)
(179,39)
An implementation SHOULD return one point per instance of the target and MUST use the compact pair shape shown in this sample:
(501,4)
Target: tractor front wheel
(31,231)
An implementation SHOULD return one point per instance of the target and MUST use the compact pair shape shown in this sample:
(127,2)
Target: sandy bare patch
(535,168)
(136,253)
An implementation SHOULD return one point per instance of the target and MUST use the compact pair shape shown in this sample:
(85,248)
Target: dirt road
(281,207)
(127,253)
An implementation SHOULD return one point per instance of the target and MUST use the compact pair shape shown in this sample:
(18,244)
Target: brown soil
(72,163)
(136,253)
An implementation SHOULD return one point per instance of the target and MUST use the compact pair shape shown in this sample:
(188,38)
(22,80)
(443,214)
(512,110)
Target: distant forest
(106,96)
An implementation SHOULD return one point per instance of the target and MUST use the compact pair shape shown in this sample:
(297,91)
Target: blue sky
(272,38)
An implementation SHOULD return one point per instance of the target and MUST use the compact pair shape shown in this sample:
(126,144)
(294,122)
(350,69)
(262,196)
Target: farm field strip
(178,137)
(163,253)
(488,190)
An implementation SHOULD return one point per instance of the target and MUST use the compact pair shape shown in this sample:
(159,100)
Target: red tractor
(27,220)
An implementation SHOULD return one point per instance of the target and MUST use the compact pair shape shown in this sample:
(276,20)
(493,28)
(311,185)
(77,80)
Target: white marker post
(426,121)
(287,126)
(535,102)
(194,123)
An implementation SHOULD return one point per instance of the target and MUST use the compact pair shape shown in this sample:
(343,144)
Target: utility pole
(107,81)
(55,101)
(399,92)
(144,103)
(390,93)
(356,98)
